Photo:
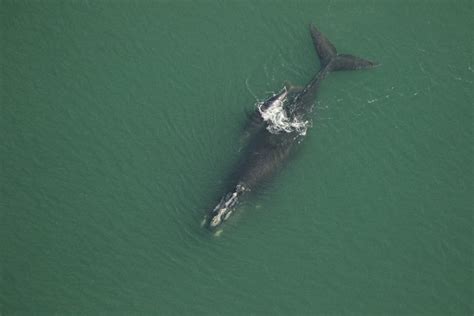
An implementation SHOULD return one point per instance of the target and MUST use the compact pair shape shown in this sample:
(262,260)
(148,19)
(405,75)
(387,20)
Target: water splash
(278,121)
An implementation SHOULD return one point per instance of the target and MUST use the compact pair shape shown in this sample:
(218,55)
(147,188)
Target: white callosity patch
(278,120)
(224,209)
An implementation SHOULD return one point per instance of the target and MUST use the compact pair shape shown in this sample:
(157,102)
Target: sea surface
(120,121)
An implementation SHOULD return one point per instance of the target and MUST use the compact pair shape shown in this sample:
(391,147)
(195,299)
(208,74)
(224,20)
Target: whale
(278,126)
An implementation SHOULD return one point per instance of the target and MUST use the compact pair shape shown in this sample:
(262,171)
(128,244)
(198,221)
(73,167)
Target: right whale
(279,124)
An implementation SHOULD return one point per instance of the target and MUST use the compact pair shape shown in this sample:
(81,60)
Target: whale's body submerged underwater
(280,123)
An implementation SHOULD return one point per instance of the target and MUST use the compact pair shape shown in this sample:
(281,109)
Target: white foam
(278,121)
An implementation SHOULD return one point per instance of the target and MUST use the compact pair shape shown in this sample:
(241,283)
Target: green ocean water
(120,121)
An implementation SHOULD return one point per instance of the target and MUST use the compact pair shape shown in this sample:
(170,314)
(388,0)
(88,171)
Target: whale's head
(219,215)
(225,207)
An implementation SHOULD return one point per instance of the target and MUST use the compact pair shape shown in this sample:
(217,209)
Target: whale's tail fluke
(329,57)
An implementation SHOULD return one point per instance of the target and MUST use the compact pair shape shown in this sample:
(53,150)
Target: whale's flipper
(329,57)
